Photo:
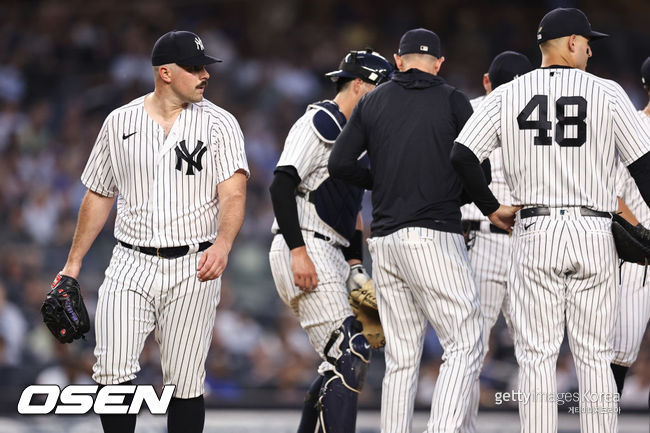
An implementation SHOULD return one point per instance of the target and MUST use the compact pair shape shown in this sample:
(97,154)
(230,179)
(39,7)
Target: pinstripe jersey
(562,131)
(308,152)
(166,186)
(498,186)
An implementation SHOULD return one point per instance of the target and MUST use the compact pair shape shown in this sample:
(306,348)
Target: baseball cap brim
(198,60)
(593,36)
(339,73)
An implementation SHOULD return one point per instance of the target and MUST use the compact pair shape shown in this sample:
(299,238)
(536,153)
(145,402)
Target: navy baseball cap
(645,72)
(180,47)
(419,41)
(562,22)
(506,66)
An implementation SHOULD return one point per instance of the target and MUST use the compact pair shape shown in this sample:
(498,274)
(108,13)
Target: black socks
(122,423)
(186,415)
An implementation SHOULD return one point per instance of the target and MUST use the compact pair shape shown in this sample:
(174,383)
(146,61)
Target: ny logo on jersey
(193,159)
(199,44)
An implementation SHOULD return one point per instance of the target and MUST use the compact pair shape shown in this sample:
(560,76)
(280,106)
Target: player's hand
(304,271)
(213,262)
(504,217)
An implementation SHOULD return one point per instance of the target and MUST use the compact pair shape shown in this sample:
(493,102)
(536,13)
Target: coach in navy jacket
(420,266)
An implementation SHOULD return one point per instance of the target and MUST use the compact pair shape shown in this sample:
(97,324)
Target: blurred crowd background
(64,65)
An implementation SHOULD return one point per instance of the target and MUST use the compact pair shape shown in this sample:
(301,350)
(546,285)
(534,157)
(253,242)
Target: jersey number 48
(543,125)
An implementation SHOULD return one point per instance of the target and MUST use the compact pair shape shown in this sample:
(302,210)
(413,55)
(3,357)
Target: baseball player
(489,245)
(634,311)
(420,265)
(177,166)
(318,244)
(562,132)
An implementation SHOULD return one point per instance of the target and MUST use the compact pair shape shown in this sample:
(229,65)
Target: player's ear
(439,63)
(487,84)
(572,43)
(165,73)
(398,62)
(358,85)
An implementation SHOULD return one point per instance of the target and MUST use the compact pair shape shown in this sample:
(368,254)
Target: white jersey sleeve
(476,102)
(632,136)
(230,155)
(621,177)
(98,175)
(482,132)
(300,147)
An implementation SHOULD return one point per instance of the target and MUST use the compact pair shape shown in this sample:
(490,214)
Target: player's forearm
(231,216)
(626,213)
(93,214)
(473,179)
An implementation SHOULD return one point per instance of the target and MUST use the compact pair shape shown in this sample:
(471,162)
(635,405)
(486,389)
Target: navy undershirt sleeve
(473,178)
(283,198)
(640,171)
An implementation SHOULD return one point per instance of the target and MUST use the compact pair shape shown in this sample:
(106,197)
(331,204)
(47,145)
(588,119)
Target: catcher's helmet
(368,65)
(645,72)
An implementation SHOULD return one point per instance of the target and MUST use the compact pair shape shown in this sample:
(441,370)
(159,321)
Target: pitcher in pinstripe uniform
(420,266)
(562,132)
(318,245)
(634,312)
(177,166)
(489,245)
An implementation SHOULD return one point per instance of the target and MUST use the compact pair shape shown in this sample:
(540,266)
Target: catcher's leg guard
(338,406)
(310,409)
(349,352)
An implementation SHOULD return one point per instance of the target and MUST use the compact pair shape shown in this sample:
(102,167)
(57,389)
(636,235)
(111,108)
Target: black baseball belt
(476,226)
(545,211)
(316,235)
(168,252)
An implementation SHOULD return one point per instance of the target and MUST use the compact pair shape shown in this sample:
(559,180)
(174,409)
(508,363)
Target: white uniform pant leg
(434,268)
(591,312)
(321,311)
(536,291)
(489,256)
(404,324)
(186,314)
(633,315)
(125,315)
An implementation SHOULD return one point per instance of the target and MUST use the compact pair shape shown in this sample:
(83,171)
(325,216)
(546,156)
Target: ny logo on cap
(199,44)
(424,48)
